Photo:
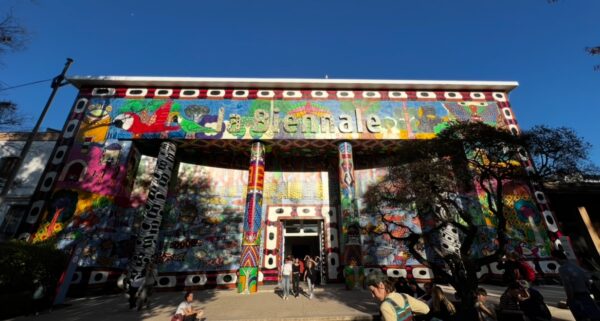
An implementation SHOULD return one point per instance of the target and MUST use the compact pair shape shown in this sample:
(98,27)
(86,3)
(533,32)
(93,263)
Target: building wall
(97,197)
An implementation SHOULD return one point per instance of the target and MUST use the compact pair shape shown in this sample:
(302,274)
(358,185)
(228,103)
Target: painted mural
(203,222)
(527,233)
(289,119)
(378,248)
(92,193)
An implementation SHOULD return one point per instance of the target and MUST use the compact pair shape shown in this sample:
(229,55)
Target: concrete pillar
(248,273)
(348,207)
(147,237)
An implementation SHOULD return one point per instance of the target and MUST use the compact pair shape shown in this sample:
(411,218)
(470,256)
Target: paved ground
(330,303)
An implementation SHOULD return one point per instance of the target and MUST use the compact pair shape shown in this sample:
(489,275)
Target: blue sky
(540,45)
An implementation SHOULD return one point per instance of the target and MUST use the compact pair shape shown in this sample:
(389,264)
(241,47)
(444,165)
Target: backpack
(402,313)
(526,272)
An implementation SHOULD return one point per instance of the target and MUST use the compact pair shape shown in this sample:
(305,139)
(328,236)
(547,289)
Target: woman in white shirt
(286,274)
(185,310)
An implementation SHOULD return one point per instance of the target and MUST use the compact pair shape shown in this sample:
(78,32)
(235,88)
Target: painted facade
(244,164)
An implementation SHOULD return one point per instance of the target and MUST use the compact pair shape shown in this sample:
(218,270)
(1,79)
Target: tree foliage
(439,177)
(13,36)
(9,116)
(559,154)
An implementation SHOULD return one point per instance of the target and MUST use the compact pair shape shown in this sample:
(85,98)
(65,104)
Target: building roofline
(22,136)
(289,83)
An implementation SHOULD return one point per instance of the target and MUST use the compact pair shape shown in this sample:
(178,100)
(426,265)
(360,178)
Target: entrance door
(301,238)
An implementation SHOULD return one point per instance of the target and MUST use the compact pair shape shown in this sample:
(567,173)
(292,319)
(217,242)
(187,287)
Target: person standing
(38,296)
(510,264)
(134,288)
(310,276)
(394,306)
(575,281)
(296,277)
(286,274)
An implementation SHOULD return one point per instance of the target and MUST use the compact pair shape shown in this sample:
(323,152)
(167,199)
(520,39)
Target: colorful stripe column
(145,246)
(348,206)
(248,274)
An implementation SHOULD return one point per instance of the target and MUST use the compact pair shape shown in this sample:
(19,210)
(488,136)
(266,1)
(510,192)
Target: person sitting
(509,303)
(394,306)
(185,310)
(484,312)
(532,303)
(441,307)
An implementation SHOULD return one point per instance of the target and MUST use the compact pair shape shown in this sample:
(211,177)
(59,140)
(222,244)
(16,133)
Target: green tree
(438,177)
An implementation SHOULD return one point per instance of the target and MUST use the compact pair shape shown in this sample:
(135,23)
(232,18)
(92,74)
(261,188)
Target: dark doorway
(300,246)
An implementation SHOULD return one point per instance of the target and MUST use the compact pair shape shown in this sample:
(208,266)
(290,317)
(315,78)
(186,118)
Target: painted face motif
(124,121)
(97,112)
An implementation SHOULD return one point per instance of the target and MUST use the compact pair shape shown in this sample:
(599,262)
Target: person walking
(286,274)
(296,277)
(394,306)
(310,275)
(575,281)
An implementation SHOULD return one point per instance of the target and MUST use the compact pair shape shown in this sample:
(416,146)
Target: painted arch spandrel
(288,119)
(296,188)
(202,224)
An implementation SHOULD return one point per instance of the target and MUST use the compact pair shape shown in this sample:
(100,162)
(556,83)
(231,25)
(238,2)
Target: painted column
(248,273)
(348,206)
(147,237)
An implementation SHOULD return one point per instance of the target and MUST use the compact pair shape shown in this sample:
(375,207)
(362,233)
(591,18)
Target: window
(7,166)
(11,222)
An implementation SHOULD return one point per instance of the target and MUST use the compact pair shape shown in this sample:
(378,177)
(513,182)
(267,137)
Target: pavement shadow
(115,307)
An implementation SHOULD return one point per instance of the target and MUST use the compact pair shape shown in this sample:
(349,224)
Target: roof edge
(289,83)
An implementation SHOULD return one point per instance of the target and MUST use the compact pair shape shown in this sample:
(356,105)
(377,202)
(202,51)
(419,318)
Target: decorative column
(145,246)
(348,206)
(248,273)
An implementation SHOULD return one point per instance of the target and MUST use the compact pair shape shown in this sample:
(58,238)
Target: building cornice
(289,83)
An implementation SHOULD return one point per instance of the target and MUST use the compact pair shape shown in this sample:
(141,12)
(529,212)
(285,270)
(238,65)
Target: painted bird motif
(145,123)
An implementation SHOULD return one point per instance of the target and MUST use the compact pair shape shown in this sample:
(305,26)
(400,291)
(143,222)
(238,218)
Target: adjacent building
(15,204)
